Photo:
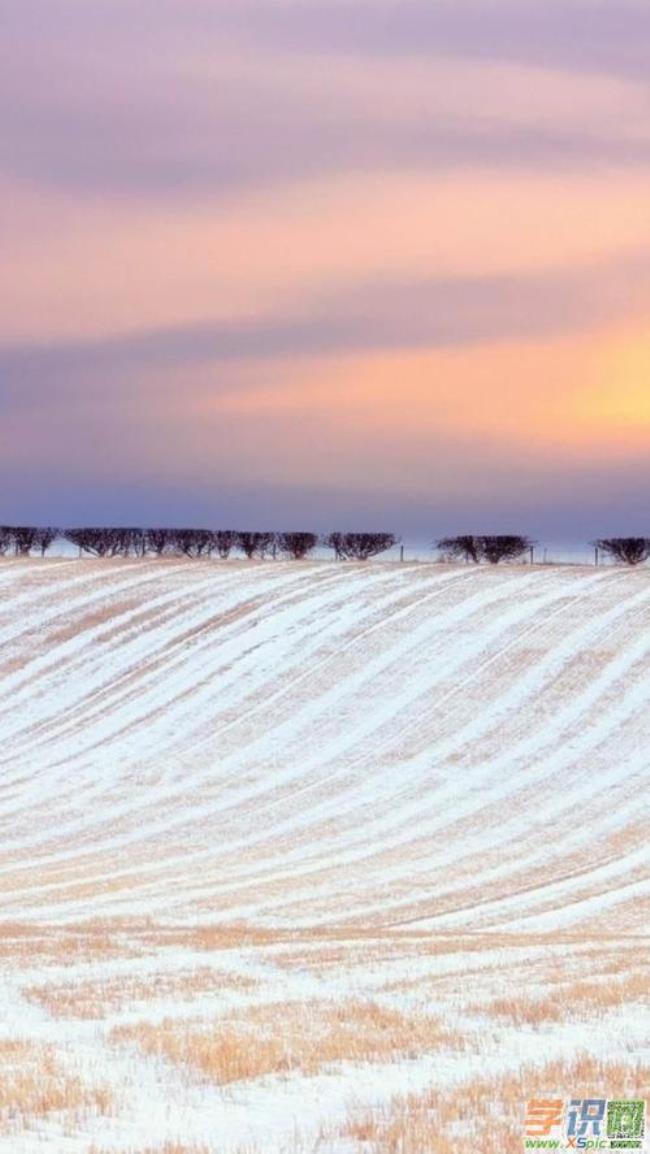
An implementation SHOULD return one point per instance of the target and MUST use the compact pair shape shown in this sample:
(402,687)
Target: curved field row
(318,744)
(301,857)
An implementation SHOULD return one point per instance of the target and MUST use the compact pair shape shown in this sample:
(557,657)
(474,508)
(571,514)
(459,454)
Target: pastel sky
(326,263)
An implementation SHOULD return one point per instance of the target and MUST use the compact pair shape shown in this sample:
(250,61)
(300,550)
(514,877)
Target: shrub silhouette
(297,545)
(504,547)
(24,538)
(224,541)
(255,544)
(44,538)
(625,550)
(192,542)
(158,541)
(464,548)
(107,542)
(359,546)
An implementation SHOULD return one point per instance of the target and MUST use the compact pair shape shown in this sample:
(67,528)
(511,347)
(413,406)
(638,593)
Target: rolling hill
(281,837)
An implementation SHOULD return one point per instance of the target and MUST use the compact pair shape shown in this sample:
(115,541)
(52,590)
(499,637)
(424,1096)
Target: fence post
(532,554)
(596,557)
(401,552)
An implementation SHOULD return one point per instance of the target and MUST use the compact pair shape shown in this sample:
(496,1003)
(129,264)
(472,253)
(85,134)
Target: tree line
(624,550)
(119,541)
(116,541)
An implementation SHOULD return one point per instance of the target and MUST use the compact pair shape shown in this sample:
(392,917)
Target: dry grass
(34,1085)
(296,1147)
(108,937)
(91,619)
(217,937)
(306,1037)
(486,1115)
(571,1001)
(94,1000)
(65,945)
(167,1148)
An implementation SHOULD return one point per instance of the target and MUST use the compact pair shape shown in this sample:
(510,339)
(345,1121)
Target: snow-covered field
(306,856)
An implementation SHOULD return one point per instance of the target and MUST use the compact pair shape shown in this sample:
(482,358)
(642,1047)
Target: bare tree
(266,543)
(107,542)
(45,536)
(198,542)
(95,541)
(492,549)
(360,546)
(224,541)
(507,547)
(626,550)
(463,548)
(126,542)
(335,541)
(193,542)
(158,541)
(297,545)
(255,544)
(24,538)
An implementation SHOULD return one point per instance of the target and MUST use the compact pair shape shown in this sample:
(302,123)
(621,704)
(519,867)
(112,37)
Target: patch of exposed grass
(94,1000)
(570,1001)
(484,1114)
(167,1148)
(305,1037)
(35,1085)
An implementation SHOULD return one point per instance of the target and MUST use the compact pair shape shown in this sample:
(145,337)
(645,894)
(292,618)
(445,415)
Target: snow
(437,772)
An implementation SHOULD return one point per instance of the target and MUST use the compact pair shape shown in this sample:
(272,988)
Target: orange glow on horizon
(570,396)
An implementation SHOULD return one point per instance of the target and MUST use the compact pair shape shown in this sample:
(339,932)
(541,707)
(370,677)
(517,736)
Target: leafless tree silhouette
(24,537)
(95,541)
(335,541)
(127,542)
(464,548)
(359,546)
(297,545)
(107,542)
(626,550)
(192,542)
(225,540)
(504,548)
(158,541)
(255,544)
(508,547)
(44,538)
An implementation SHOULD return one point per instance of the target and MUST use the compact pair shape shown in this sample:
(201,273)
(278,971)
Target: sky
(346,264)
